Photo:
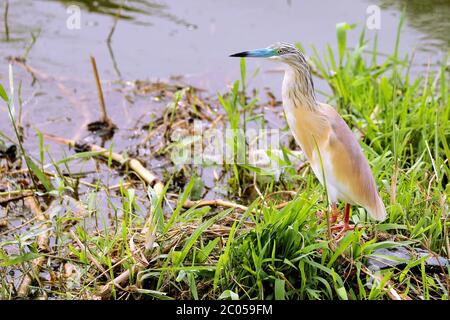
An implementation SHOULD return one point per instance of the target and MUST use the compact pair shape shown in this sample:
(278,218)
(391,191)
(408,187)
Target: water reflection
(132,10)
(430,17)
(126,10)
(5,19)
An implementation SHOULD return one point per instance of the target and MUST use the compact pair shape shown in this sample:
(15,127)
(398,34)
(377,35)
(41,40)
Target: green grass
(265,252)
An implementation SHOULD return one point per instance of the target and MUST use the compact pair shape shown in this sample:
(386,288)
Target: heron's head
(295,59)
(280,51)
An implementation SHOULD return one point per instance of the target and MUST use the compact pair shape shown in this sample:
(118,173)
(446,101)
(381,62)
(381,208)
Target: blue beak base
(258,53)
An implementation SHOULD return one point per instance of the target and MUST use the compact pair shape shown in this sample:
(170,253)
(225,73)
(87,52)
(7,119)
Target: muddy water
(192,39)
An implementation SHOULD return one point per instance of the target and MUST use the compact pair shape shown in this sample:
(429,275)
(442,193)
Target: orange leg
(334,213)
(343,227)
(347,214)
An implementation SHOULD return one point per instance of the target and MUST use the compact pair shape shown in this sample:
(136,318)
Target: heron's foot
(339,230)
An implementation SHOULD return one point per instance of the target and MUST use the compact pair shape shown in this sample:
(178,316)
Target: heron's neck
(298,87)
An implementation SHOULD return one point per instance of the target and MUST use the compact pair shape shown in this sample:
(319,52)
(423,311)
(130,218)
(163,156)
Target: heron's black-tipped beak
(240,54)
(258,53)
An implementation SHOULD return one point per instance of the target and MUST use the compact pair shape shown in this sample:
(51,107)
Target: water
(193,38)
(188,40)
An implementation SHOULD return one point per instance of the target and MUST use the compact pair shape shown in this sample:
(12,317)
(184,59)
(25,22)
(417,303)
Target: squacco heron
(318,125)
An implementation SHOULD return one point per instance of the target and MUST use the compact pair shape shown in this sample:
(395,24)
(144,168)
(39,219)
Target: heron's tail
(378,211)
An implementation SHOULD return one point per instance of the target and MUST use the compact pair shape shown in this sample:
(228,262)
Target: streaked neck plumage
(303,113)
(298,85)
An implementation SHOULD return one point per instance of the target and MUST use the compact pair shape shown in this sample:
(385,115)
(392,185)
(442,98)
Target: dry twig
(105,117)
(214,203)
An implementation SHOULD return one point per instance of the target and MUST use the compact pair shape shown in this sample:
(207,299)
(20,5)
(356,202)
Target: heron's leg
(334,212)
(345,226)
(347,214)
